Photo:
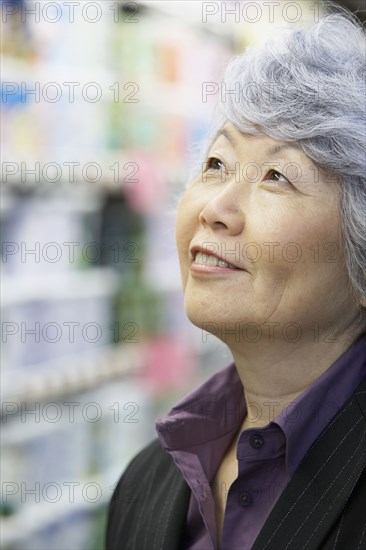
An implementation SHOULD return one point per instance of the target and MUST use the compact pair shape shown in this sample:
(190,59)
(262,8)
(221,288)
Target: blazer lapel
(321,485)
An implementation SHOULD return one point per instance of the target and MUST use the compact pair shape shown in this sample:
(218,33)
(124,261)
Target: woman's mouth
(210,260)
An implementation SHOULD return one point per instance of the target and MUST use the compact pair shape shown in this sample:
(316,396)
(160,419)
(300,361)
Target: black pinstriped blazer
(323,507)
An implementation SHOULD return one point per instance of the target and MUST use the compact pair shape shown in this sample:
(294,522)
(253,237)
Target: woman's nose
(223,211)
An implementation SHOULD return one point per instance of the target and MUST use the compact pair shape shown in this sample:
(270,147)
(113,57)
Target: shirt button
(256,441)
(245,498)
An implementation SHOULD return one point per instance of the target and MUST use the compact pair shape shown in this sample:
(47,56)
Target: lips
(205,253)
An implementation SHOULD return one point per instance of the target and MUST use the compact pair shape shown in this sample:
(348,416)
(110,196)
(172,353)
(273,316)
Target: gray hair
(309,86)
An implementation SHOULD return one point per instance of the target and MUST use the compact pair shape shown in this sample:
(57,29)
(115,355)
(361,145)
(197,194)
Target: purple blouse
(201,427)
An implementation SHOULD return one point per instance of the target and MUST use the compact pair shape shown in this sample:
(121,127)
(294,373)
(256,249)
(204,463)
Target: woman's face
(274,217)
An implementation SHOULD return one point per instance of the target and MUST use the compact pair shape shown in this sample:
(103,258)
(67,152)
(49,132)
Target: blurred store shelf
(70,286)
(70,375)
(34,518)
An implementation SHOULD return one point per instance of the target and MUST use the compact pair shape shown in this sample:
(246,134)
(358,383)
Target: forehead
(237,139)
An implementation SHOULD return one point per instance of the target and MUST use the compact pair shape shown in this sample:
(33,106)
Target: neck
(274,373)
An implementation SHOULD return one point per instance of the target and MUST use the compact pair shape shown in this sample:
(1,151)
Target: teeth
(207,259)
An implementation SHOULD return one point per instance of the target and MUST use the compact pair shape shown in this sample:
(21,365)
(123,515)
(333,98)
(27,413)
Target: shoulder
(151,462)
(150,492)
(149,457)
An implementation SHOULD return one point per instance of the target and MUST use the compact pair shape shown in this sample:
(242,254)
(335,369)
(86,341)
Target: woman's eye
(213,163)
(273,175)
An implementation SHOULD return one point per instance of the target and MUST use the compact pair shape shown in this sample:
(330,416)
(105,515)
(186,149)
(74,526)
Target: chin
(208,322)
(213,323)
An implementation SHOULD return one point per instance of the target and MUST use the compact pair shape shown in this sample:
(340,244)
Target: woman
(270,453)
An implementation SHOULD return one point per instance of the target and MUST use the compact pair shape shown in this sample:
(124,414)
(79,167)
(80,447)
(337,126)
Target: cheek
(188,212)
(182,223)
(292,240)
(186,224)
(317,238)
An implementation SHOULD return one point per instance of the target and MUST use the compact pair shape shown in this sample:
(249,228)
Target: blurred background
(103,105)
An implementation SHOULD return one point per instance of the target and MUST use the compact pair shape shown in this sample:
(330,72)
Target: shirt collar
(214,409)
